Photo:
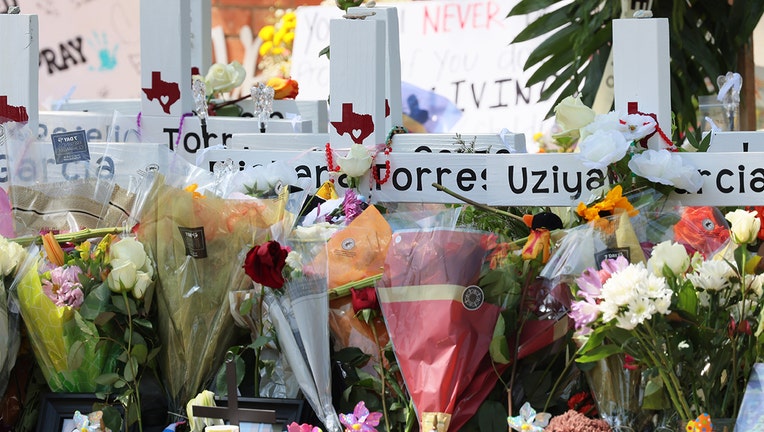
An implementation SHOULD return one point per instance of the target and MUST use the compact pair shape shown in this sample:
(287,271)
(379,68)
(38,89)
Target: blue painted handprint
(108,58)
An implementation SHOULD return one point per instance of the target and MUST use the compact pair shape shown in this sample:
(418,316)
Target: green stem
(370,323)
(344,290)
(258,350)
(568,364)
(70,237)
(477,204)
(135,383)
(670,379)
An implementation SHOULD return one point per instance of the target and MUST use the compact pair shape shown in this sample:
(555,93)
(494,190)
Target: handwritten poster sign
(88,49)
(458,49)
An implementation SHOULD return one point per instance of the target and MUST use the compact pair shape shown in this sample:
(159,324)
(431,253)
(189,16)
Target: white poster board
(457,48)
(88,49)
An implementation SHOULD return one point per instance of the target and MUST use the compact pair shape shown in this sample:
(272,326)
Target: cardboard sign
(87,49)
(455,49)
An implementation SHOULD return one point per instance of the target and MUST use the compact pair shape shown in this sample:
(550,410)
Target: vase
(725,424)
(616,391)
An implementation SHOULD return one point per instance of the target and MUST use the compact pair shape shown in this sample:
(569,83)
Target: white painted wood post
(166,57)
(201,35)
(641,69)
(356,82)
(19,53)
(389,16)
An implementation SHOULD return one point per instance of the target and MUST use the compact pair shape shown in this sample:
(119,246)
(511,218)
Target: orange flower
(53,249)
(613,203)
(284,88)
(192,188)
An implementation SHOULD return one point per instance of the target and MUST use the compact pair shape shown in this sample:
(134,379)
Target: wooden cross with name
(232,412)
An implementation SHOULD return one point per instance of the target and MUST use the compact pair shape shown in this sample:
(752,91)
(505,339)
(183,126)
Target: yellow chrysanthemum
(266,33)
(265,48)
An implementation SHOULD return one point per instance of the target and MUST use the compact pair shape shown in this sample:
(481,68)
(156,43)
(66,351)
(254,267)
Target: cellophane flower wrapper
(300,315)
(104,191)
(441,345)
(66,346)
(196,240)
(615,389)
(279,383)
(9,335)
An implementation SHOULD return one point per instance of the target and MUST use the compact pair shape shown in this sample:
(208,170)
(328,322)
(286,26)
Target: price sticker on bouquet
(193,240)
(70,147)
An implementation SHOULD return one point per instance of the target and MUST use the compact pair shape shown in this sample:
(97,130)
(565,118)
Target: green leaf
(498,348)
(143,322)
(84,326)
(544,24)
(76,355)
(140,353)
(103,318)
(655,397)
(131,369)
(555,44)
(95,303)
(687,299)
(246,306)
(527,6)
(352,356)
(107,379)
(599,353)
(492,416)
(260,342)
(112,418)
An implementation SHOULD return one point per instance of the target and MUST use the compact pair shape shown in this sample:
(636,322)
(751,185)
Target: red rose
(264,264)
(364,298)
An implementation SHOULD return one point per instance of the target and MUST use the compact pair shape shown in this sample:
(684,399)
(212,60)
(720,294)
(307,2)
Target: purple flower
(361,419)
(64,288)
(352,205)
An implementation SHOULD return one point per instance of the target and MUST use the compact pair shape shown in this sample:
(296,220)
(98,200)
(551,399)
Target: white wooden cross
(641,70)
(19,49)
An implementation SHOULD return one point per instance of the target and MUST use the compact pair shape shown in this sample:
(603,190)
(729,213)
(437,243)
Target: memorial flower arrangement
(617,144)
(86,309)
(12,255)
(689,323)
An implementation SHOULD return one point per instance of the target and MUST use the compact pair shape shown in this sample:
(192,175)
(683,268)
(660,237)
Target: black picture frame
(57,408)
(287,410)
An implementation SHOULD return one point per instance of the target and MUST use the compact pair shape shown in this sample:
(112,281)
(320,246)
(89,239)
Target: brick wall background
(232,15)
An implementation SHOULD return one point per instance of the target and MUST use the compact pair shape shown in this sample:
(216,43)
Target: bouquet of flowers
(431,276)
(86,311)
(689,322)
(11,257)
(197,236)
(617,143)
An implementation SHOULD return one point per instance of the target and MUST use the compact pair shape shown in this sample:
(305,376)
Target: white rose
(123,275)
(357,162)
(602,148)
(222,78)
(662,166)
(142,283)
(131,249)
(671,255)
(11,254)
(572,114)
(744,226)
